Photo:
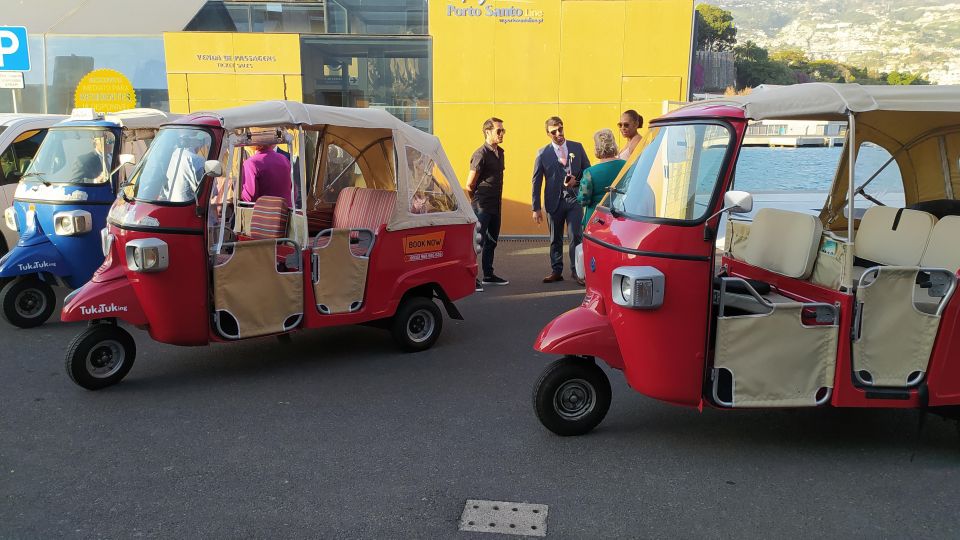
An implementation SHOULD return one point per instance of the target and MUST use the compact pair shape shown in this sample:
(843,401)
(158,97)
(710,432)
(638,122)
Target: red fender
(582,331)
(113,298)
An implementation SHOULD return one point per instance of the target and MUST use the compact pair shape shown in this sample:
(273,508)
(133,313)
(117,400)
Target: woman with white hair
(597,179)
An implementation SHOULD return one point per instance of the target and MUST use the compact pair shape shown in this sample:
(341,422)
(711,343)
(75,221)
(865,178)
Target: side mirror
(212,167)
(738,202)
(125,159)
(128,159)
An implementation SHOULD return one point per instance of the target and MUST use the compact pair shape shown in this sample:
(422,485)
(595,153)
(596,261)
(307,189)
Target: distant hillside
(906,35)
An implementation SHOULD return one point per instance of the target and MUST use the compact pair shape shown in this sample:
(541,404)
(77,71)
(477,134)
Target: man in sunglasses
(485,188)
(558,168)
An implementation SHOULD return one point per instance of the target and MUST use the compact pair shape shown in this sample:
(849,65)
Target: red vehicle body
(407,266)
(671,349)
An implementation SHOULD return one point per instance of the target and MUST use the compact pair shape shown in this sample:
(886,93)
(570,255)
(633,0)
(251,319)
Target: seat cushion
(270,216)
(784,242)
(371,208)
(893,236)
(943,250)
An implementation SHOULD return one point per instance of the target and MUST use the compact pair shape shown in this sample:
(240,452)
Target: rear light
(147,255)
(10,216)
(638,287)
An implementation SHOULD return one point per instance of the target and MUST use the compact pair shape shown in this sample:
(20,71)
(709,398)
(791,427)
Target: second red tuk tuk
(371,226)
(849,308)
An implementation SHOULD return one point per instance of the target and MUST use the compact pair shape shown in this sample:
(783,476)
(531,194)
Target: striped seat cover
(361,208)
(270,216)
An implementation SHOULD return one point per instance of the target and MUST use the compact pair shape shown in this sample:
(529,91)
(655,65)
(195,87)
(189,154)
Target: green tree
(905,78)
(715,29)
(754,67)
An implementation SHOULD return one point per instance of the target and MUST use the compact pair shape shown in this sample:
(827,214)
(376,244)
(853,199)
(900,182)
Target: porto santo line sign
(486,8)
(14,55)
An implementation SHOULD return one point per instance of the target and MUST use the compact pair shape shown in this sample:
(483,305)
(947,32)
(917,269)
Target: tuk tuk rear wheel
(417,324)
(27,302)
(572,396)
(100,356)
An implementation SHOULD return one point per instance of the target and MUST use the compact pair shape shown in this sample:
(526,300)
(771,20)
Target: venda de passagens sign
(485,8)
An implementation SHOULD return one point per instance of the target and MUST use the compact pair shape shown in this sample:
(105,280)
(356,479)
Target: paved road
(338,436)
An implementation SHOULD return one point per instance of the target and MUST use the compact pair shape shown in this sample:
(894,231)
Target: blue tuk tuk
(61,205)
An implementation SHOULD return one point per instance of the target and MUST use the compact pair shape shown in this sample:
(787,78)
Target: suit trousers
(569,213)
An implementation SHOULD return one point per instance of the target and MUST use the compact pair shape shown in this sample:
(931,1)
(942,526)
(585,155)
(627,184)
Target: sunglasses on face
(554,131)
(624,124)
(500,131)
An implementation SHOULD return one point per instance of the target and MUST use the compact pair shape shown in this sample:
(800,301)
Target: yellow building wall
(584,60)
(216,70)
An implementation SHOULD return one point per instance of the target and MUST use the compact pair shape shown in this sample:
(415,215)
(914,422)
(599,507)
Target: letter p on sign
(14,55)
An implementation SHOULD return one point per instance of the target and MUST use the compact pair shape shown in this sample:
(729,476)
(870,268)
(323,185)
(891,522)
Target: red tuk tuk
(851,308)
(370,226)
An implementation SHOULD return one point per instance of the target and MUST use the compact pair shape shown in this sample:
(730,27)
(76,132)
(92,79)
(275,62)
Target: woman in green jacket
(597,179)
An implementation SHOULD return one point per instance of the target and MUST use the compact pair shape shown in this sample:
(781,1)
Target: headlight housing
(72,222)
(106,241)
(638,287)
(10,216)
(147,255)
(578,266)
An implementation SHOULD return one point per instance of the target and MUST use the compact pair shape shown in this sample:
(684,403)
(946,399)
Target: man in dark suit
(559,167)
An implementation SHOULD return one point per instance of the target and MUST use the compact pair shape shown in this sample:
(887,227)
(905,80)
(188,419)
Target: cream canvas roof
(109,17)
(834,101)
(292,113)
(141,118)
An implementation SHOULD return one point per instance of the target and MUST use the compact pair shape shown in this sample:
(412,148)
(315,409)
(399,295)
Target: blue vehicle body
(66,260)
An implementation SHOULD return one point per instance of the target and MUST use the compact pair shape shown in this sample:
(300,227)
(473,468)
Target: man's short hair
(635,116)
(552,121)
(490,122)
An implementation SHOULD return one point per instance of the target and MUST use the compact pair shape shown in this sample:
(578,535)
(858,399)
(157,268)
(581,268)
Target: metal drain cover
(502,517)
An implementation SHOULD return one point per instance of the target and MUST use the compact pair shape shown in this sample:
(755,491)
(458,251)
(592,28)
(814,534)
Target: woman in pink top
(266,173)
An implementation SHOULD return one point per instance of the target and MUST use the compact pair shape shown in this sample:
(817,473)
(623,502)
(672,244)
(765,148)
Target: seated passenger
(266,173)
(94,166)
(185,168)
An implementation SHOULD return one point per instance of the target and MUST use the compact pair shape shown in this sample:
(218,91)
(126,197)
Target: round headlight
(626,289)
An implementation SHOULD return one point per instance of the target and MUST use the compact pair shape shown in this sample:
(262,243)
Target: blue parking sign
(14,55)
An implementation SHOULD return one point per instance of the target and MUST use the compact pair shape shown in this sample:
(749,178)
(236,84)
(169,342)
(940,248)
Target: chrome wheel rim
(420,325)
(105,359)
(30,303)
(574,399)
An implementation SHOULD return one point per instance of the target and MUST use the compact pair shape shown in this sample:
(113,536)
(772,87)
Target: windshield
(74,156)
(676,174)
(172,168)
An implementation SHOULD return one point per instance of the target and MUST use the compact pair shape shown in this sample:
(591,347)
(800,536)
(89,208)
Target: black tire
(100,356)
(27,302)
(417,324)
(572,396)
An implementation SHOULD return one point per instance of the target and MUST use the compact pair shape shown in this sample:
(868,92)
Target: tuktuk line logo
(38,265)
(484,8)
(422,247)
(101,309)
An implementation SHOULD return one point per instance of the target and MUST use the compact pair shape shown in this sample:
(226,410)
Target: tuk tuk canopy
(918,125)
(418,162)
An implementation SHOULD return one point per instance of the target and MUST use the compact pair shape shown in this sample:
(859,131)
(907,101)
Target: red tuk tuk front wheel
(572,396)
(100,356)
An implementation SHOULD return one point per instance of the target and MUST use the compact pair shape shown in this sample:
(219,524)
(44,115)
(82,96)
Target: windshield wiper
(38,175)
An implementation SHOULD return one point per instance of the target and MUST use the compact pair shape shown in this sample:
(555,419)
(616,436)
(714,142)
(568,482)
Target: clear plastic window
(74,156)
(429,188)
(675,175)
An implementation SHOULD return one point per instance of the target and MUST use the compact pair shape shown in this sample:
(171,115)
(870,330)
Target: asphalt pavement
(338,435)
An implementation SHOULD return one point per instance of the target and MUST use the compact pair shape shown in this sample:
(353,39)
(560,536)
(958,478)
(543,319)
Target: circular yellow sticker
(105,90)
